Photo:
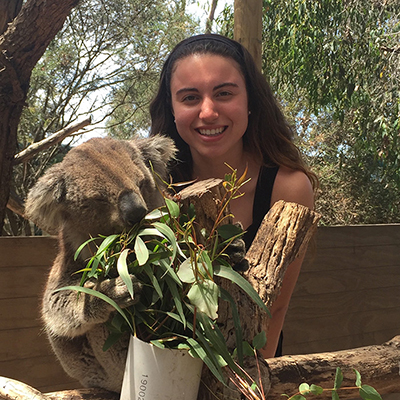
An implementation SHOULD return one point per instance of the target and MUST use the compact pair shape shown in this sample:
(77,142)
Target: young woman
(219,109)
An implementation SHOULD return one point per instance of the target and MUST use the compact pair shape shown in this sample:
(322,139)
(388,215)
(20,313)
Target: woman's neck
(210,168)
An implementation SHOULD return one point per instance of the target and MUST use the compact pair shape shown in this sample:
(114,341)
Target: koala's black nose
(132,207)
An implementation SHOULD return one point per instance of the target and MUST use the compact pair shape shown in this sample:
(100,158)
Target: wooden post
(248,27)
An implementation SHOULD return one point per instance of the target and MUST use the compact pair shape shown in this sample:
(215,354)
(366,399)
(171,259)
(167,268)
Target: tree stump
(282,236)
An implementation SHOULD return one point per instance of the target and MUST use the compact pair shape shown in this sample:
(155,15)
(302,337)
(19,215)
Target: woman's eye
(224,94)
(190,98)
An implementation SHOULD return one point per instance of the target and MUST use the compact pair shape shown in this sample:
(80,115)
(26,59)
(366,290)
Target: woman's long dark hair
(268,136)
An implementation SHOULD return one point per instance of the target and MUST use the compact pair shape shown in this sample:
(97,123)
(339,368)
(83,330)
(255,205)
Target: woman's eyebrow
(224,85)
(193,89)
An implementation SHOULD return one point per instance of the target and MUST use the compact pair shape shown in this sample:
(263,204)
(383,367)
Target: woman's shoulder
(293,186)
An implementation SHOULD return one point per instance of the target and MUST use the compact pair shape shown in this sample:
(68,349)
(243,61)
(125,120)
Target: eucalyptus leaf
(204,295)
(229,231)
(100,296)
(369,393)
(358,378)
(228,273)
(123,272)
(338,378)
(155,214)
(173,208)
(260,340)
(304,388)
(185,271)
(141,250)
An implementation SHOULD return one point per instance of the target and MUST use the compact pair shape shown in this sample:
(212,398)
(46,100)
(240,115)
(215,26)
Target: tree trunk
(248,27)
(282,236)
(21,46)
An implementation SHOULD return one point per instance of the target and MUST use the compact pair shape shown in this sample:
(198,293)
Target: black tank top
(262,201)
(261,205)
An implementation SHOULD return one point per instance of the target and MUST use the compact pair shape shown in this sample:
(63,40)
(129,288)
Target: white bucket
(152,373)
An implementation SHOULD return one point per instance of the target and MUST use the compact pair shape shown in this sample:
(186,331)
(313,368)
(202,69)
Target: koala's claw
(117,290)
(237,253)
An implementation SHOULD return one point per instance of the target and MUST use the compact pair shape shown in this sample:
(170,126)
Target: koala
(101,187)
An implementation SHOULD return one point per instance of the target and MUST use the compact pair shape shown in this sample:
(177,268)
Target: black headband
(235,46)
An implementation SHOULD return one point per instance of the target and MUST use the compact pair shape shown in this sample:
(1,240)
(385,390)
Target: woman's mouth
(211,132)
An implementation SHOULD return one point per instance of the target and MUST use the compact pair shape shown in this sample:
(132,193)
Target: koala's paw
(116,290)
(237,254)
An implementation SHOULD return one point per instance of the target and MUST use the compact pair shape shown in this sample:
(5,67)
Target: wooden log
(11,389)
(282,236)
(378,366)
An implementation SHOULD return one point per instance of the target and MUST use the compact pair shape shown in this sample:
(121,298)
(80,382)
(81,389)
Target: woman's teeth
(211,132)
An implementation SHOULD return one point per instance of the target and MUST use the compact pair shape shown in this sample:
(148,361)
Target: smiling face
(210,107)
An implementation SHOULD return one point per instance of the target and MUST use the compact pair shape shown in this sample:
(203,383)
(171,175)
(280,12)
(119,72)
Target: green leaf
(177,299)
(247,349)
(165,265)
(167,231)
(111,340)
(233,276)
(173,208)
(338,378)
(204,295)
(106,243)
(80,248)
(185,272)
(298,397)
(229,231)
(208,357)
(141,250)
(100,296)
(206,265)
(123,272)
(155,214)
(314,389)
(150,232)
(335,395)
(358,378)
(260,340)
(304,388)
(153,280)
(369,393)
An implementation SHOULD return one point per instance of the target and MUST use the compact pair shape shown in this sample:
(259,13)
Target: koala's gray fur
(101,187)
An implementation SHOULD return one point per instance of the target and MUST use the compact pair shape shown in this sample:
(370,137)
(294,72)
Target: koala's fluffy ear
(44,204)
(159,150)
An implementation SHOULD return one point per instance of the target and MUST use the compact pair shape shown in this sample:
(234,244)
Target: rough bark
(21,46)
(282,236)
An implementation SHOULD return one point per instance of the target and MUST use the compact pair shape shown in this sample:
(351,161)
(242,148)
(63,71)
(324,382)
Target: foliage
(105,62)
(176,264)
(366,392)
(335,68)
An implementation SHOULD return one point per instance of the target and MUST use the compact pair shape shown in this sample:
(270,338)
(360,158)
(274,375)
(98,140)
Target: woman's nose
(208,110)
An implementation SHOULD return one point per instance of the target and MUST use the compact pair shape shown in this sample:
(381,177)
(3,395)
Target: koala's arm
(67,313)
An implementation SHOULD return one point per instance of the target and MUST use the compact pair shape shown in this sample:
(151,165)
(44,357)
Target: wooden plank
(345,324)
(29,251)
(333,304)
(17,282)
(19,313)
(19,344)
(357,235)
(346,258)
(340,281)
(43,373)
(335,344)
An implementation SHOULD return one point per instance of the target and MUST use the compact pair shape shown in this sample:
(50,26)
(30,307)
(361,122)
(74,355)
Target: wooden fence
(348,295)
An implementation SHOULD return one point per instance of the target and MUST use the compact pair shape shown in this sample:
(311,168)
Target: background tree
(335,66)
(22,44)
(104,62)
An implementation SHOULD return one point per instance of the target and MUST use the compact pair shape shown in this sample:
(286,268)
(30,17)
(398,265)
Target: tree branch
(57,137)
